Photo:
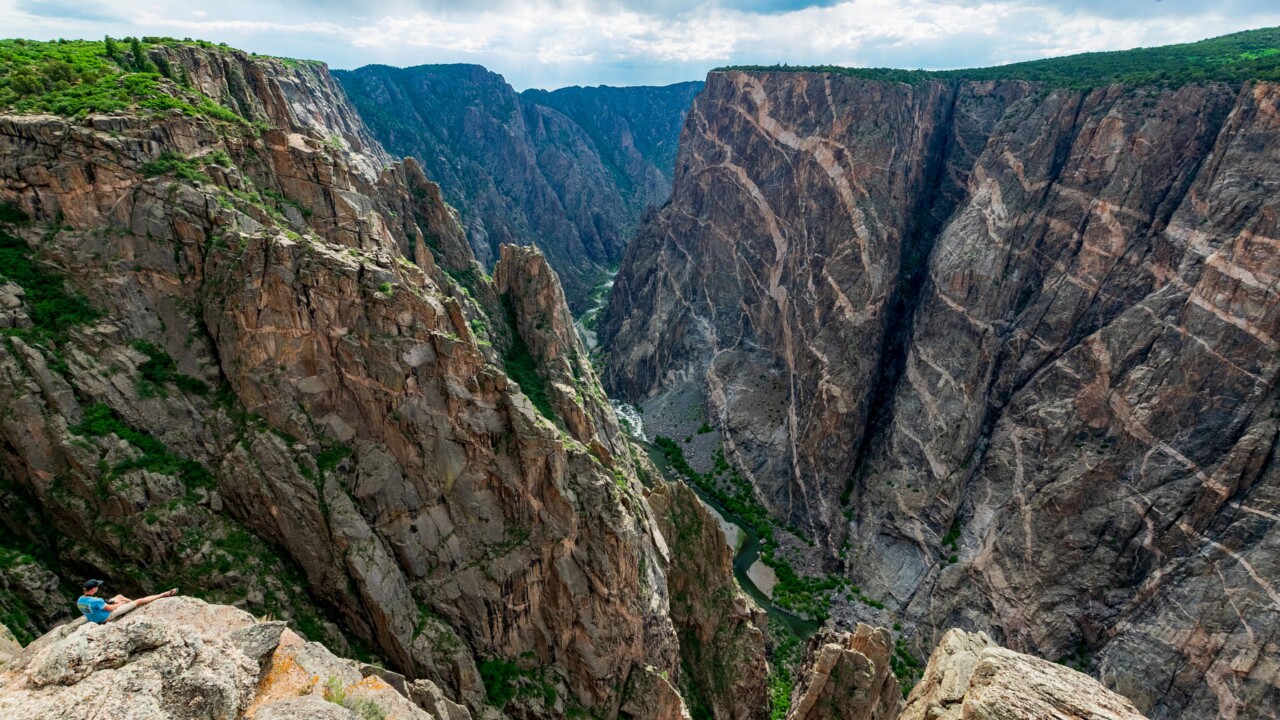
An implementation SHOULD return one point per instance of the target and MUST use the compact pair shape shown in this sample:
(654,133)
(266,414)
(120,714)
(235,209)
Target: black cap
(92,584)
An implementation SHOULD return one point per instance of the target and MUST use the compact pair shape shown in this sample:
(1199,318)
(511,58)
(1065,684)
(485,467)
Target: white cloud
(552,32)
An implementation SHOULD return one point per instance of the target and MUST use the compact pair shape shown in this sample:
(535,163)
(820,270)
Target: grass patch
(505,681)
(160,370)
(101,421)
(53,308)
(335,692)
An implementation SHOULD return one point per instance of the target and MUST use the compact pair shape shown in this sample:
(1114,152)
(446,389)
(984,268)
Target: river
(747,553)
(750,571)
(588,335)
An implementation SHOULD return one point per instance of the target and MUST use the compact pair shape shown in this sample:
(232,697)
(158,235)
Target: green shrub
(160,369)
(905,666)
(505,681)
(953,534)
(786,658)
(140,61)
(101,421)
(53,308)
(329,458)
(523,369)
(793,591)
(80,77)
(1079,659)
(281,199)
(171,162)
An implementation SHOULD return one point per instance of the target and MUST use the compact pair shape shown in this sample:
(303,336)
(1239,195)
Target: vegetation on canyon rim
(1235,58)
(79,77)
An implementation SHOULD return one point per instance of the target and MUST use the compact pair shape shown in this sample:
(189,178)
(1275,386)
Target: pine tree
(140,61)
(113,51)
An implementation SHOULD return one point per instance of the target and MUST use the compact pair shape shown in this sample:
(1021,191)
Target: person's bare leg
(132,605)
(152,598)
(119,599)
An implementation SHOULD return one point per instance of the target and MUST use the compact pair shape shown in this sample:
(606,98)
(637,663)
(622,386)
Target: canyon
(978,370)
(1002,353)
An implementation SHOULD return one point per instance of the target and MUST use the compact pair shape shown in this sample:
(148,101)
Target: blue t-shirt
(93,608)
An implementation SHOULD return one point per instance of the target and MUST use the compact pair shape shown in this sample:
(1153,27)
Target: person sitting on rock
(100,611)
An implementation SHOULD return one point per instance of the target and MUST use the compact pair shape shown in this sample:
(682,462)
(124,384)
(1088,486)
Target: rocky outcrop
(722,643)
(31,597)
(847,675)
(285,385)
(299,95)
(570,171)
(181,658)
(1007,353)
(543,329)
(968,676)
(13,313)
(650,696)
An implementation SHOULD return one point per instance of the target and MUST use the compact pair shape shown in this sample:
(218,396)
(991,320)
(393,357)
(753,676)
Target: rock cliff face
(722,643)
(536,309)
(1007,353)
(570,171)
(256,359)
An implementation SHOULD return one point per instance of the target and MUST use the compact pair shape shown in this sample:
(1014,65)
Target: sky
(554,43)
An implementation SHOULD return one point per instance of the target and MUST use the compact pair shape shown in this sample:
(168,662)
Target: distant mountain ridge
(569,170)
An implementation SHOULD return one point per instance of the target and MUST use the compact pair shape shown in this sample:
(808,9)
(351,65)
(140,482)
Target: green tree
(58,71)
(140,61)
(24,82)
(113,51)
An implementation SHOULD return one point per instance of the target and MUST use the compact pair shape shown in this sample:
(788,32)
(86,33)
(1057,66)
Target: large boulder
(969,677)
(181,658)
(170,659)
